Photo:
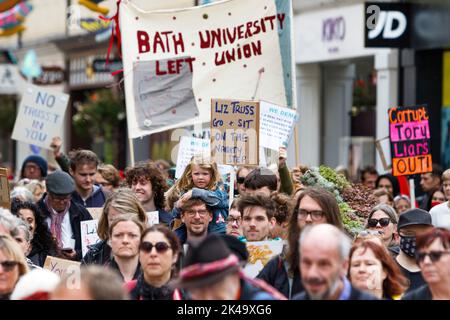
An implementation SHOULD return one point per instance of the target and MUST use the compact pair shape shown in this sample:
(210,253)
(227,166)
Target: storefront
(344,89)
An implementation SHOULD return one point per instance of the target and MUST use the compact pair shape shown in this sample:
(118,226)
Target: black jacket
(76,214)
(355,294)
(114,266)
(99,253)
(275,274)
(422,293)
(141,290)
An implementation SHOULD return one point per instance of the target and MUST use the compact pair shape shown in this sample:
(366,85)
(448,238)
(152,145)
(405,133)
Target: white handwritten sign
(188,148)
(89,234)
(61,266)
(40,117)
(260,252)
(275,125)
(152,218)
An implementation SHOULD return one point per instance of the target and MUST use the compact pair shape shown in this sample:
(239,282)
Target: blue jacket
(218,201)
(96,199)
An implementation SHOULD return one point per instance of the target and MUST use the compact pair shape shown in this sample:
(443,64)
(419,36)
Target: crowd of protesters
(199,247)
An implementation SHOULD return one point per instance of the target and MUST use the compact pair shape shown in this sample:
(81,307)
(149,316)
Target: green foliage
(7,114)
(336,178)
(100,117)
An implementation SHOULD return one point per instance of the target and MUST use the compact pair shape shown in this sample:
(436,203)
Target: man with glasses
(411,224)
(62,214)
(196,215)
(234,221)
(433,258)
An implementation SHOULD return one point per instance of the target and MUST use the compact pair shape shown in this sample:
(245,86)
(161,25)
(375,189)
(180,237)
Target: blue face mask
(408,245)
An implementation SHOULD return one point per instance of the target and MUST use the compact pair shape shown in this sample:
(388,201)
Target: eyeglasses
(8,265)
(192,213)
(315,214)
(434,255)
(160,247)
(372,223)
(231,220)
(240,180)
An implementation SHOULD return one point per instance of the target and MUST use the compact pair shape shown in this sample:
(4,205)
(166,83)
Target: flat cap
(414,217)
(60,183)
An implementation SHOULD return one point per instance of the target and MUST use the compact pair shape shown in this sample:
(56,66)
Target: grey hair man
(324,253)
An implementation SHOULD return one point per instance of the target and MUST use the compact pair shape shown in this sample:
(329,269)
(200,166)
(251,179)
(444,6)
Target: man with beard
(196,215)
(149,185)
(324,252)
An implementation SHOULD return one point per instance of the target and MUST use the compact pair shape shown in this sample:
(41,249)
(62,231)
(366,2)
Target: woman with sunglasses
(383,218)
(124,238)
(433,258)
(158,254)
(372,269)
(12,265)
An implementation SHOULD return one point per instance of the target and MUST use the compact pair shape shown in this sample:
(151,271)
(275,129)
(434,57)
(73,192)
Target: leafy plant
(100,116)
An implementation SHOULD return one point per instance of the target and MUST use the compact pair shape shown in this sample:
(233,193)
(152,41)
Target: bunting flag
(15,16)
(225,50)
(93,6)
(12,31)
(7,4)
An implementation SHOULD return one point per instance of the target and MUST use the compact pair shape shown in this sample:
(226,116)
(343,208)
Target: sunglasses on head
(372,223)
(160,247)
(8,265)
(434,255)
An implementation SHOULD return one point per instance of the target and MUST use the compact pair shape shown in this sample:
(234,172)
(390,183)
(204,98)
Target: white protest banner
(152,218)
(61,266)
(40,116)
(260,252)
(89,234)
(234,48)
(276,124)
(188,148)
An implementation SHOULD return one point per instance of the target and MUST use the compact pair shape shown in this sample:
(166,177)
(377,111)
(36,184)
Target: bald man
(324,252)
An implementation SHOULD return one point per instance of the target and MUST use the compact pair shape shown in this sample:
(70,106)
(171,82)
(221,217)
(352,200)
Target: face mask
(408,245)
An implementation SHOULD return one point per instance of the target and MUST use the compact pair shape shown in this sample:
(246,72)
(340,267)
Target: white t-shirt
(440,215)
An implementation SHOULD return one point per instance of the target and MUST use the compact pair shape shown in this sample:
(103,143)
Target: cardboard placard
(40,116)
(61,266)
(95,212)
(276,124)
(259,253)
(89,234)
(409,134)
(234,132)
(5,200)
(152,218)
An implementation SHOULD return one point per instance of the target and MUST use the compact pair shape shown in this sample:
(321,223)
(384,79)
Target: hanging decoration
(7,4)
(93,5)
(15,16)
